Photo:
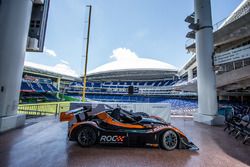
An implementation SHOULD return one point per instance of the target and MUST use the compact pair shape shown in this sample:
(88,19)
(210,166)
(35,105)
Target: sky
(152,29)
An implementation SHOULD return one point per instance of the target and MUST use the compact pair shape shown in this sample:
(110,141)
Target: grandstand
(43,85)
(117,87)
(146,80)
(150,82)
(37,90)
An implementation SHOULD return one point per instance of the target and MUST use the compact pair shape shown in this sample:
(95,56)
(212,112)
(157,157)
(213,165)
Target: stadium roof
(56,71)
(129,67)
(137,64)
(240,11)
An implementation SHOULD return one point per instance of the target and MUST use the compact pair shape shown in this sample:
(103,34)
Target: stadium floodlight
(191,35)
(194,26)
(38,24)
(190,18)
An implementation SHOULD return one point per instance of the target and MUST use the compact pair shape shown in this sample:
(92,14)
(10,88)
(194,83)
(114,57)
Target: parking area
(45,144)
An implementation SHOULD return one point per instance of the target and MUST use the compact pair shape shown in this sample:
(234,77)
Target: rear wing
(76,111)
(69,115)
(64,116)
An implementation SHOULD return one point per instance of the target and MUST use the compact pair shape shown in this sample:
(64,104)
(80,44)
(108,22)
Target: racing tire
(86,136)
(169,140)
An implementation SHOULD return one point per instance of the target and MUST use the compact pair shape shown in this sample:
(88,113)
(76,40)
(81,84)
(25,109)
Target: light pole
(86,56)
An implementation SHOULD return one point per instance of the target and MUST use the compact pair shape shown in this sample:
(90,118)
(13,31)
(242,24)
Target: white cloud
(64,61)
(64,69)
(58,68)
(50,52)
(123,54)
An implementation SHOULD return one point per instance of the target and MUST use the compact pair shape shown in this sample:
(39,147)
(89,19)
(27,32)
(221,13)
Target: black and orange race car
(120,127)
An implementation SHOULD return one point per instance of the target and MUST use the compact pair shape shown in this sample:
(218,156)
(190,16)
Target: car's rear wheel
(86,136)
(169,140)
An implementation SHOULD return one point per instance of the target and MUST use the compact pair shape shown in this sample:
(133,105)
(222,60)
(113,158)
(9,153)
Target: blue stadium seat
(141,83)
(114,83)
(129,83)
(170,82)
(37,87)
(76,84)
(156,83)
(54,89)
(150,83)
(46,87)
(162,83)
(89,84)
(166,83)
(97,85)
(26,87)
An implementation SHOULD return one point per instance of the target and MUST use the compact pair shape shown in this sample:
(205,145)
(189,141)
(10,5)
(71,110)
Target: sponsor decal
(159,128)
(112,139)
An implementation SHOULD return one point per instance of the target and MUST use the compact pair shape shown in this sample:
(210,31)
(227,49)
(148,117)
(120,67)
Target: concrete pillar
(58,87)
(207,97)
(14,25)
(190,74)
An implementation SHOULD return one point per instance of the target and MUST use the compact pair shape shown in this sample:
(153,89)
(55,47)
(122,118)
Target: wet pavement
(45,144)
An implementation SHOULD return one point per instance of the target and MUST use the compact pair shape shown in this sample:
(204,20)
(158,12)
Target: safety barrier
(42,109)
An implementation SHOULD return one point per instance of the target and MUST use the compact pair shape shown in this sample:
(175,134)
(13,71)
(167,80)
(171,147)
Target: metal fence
(42,109)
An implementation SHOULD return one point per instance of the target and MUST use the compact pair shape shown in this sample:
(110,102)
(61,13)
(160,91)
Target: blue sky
(150,28)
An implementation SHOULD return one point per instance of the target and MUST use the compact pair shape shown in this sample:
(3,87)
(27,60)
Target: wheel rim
(87,137)
(170,140)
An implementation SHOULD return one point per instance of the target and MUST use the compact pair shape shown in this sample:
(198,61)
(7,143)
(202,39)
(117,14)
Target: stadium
(151,82)
(141,77)
(209,89)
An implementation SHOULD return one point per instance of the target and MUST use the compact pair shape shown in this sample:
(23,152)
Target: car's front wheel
(169,140)
(86,136)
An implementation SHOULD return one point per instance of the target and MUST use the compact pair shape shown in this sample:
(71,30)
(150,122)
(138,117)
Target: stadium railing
(43,109)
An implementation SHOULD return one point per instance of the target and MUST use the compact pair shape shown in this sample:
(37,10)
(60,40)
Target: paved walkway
(45,144)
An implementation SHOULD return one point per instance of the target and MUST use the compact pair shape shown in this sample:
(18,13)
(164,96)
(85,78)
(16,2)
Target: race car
(116,126)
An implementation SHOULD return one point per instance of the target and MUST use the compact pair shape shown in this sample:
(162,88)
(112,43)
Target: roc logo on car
(111,139)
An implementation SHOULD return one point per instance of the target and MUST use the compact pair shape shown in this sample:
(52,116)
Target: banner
(232,55)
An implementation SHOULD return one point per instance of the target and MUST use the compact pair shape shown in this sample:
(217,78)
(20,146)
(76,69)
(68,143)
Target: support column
(58,87)
(190,74)
(14,25)
(207,97)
